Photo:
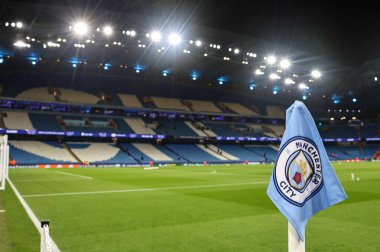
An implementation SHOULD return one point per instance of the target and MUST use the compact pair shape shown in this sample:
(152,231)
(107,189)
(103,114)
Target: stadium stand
(94,152)
(273,130)
(194,153)
(169,103)
(130,100)
(274,111)
(122,126)
(224,154)
(205,129)
(132,151)
(76,96)
(370,130)
(268,153)
(342,131)
(17,120)
(38,93)
(152,152)
(239,109)
(202,106)
(196,129)
(240,152)
(211,151)
(176,128)
(47,122)
(139,126)
(36,152)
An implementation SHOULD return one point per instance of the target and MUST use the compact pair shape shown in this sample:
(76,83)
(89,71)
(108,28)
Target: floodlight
(155,36)
(259,72)
(174,39)
(236,51)
(20,43)
(80,28)
(274,76)
(316,74)
(107,30)
(284,64)
(289,81)
(198,43)
(302,86)
(271,60)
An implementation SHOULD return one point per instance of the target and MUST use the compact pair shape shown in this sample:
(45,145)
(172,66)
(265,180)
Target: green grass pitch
(211,208)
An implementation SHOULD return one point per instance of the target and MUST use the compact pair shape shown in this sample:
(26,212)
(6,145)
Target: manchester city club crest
(298,171)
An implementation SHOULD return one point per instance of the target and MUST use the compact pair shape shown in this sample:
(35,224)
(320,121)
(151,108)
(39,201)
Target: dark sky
(346,33)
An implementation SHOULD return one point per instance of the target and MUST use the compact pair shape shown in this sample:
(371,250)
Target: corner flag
(303,181)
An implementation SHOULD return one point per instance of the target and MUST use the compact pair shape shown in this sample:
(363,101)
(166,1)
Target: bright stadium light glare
(274,76)
(174,39)
(198,43)
(271,60)
(236,51)
(302,86)
(19,25)
(289,81)
(316,74)
(284,64)
(20,43)
(107,30)
(259,72)
(80,28)
(155,36)
(133,33)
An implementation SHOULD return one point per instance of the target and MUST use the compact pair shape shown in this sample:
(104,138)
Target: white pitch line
(74,175)
(2,210)
(47,180)
(142,189)
(31,214)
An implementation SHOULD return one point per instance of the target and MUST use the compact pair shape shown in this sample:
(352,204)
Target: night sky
(343,32)
(346,33)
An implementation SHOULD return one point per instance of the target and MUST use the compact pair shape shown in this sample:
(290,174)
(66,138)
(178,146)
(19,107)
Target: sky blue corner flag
(303,181)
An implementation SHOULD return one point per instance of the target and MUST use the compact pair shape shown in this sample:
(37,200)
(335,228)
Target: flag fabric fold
(303,181)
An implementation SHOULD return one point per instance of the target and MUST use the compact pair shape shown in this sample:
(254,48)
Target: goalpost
(4,160)
(47,244)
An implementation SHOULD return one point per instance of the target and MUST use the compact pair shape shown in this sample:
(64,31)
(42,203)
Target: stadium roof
(339,40)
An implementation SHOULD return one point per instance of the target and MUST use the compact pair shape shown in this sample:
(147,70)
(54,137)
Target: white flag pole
(295,244)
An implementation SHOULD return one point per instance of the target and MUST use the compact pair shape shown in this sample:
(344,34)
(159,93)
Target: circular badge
(298,171)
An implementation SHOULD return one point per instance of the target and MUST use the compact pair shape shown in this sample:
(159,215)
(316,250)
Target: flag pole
(295,244)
